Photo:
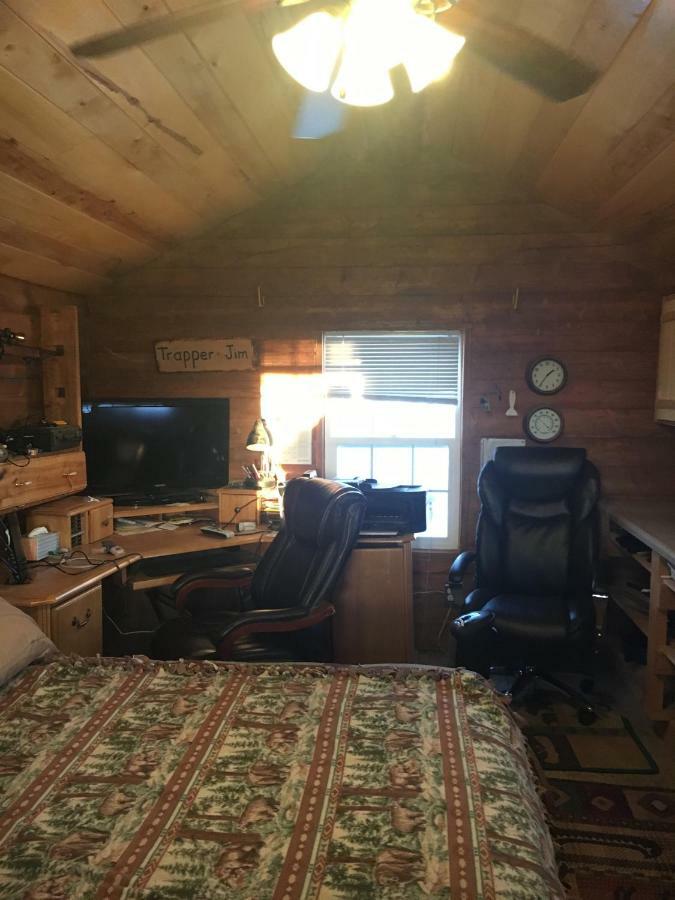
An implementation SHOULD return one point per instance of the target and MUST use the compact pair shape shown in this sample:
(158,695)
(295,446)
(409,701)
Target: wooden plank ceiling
(105,163)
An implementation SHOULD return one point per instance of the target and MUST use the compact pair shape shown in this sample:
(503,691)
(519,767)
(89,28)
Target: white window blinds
(411,366)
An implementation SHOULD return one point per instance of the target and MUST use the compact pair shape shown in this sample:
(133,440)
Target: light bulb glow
(376,36)
(309,50)
(429,52)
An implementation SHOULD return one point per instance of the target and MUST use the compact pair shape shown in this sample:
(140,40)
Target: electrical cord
(237,510)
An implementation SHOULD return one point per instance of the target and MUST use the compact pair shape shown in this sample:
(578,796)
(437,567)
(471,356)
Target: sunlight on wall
(292,405)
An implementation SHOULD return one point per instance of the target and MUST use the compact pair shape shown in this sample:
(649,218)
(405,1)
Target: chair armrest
(293,618)
(459,568)
(218,579)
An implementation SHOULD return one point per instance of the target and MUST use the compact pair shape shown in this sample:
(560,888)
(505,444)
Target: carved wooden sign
(223,355)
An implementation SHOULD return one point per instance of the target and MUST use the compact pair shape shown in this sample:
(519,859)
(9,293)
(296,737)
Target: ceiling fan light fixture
(360,82)
(429,52)
(309,50)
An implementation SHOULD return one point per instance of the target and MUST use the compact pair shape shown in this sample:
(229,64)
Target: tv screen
(150,448)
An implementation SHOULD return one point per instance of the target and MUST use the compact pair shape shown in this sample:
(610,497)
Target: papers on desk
(138,525)
(134,526)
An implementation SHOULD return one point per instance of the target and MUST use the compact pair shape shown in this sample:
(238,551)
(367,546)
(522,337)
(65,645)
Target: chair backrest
(322,521)
(538,525)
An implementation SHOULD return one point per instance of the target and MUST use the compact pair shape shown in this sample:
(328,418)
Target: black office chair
(536,553)
(274,613)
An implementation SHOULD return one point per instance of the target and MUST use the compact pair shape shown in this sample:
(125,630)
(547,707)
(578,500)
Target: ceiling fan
(522,55)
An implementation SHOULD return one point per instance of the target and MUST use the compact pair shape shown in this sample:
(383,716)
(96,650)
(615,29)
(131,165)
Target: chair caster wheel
(587,685)
(586,716)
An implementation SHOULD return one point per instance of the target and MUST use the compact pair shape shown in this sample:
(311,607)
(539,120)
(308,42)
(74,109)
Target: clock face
(543,424)
(546,375)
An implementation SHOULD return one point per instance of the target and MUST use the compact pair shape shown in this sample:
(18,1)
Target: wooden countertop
(50,585)
(651,521)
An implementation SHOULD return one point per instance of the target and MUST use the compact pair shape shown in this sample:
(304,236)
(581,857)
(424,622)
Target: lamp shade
(309,50)
(259,438)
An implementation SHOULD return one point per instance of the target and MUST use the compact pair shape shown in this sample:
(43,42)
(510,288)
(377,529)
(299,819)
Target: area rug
(615,829)
(561,744)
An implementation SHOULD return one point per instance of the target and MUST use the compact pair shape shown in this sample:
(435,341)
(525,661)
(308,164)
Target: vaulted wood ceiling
(105,163)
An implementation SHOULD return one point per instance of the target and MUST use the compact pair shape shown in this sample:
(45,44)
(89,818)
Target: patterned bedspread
(126,778)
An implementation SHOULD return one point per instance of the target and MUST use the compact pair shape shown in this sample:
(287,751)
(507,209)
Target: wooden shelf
(670,584)
(637,557)
(627,600)
(669,653)
(137,512)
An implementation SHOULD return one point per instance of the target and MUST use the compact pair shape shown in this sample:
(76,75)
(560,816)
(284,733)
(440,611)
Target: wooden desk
(373,622)
(653,523)
(68,606)
(374,600)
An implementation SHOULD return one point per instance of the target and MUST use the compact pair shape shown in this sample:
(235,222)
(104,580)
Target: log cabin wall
(395,252)
(21,394)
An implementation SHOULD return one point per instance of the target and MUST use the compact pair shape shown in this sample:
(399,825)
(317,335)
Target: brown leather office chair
(277,612)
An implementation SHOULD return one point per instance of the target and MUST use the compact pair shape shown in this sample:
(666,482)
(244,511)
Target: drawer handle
(81,623)
(22,483)
(69,474)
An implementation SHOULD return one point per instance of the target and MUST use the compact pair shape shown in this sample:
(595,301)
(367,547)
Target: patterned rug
(614,829)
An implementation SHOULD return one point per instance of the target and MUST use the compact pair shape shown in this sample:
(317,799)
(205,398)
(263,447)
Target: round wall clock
(543,424)
(546,375)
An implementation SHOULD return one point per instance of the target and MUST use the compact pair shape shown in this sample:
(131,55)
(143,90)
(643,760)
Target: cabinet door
(100,522)
(76,624)
(373,620)
(44,478)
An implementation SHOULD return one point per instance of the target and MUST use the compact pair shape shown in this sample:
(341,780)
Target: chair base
(528,676)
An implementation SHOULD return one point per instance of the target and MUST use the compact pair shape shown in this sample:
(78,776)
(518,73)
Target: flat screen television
(154,450)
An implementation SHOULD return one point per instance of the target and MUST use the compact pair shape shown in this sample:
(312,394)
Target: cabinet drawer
(76,624)
(100,520)
(44,478)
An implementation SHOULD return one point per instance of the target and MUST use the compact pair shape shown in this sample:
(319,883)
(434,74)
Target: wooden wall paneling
(601,36)
(581,171)
(179,62)
(62,157)
(39,64)
(515,106)
(650,189)
(233,52)
(30,207)
(61,374)
(21,303)
(125,78)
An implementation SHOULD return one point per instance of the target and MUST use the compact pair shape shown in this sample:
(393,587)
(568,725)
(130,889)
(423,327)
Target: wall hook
(515,297)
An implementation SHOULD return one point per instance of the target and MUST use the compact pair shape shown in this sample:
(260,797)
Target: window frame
(454,444)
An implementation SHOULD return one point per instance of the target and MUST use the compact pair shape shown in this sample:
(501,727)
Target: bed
(132,778)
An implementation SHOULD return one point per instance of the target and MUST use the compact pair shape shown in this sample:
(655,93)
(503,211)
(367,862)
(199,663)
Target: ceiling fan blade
(319,116)
(521,54)
(121,38)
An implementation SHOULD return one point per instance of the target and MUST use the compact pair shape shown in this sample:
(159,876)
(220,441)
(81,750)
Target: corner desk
(374,599)
(652,523)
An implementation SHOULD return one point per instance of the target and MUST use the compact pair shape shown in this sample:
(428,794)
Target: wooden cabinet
(75,625)
(44,477)
(373,622)
(665,385)
(238,505)
(77,520)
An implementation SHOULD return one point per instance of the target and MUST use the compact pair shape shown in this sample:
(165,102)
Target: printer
(397,509)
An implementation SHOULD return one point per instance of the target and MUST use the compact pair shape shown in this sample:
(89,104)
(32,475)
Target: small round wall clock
(546,375)
(544,424)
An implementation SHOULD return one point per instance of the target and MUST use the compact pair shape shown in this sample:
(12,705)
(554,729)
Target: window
(392,413)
